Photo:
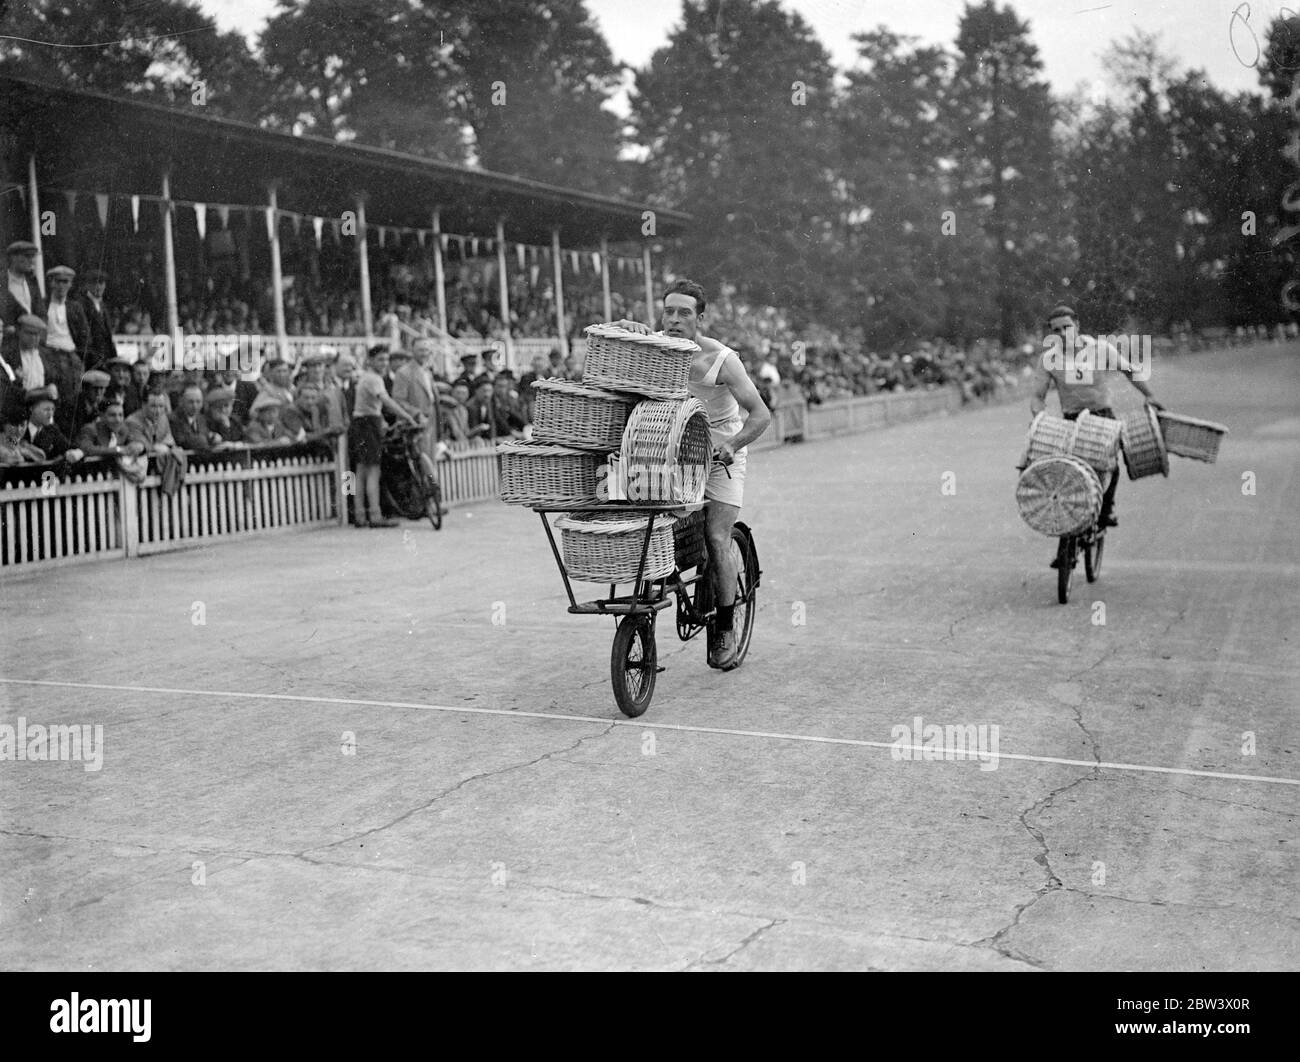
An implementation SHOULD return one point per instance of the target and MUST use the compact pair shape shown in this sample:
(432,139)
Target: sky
(1072,35)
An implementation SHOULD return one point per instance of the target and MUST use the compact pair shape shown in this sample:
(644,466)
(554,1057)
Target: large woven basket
(1189,437)
(1059,495)
(1091,438)
(541,474)
(653,366)
(667,451)
(606,547)
(569,414)
(688,540)
(1143,445)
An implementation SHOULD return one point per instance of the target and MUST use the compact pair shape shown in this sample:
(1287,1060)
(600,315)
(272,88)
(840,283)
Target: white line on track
(601,721)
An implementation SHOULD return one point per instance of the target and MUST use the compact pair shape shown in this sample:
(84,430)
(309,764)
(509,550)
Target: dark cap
(21,247)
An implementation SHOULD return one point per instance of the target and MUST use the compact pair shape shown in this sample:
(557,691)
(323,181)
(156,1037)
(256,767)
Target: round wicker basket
(1092,439)
(540,474)
(569,414)
(1144,447)
(667,451)
(653,366)
(1059,495)
(606,547)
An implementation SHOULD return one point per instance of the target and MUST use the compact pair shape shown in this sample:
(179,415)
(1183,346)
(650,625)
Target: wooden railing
(99,515)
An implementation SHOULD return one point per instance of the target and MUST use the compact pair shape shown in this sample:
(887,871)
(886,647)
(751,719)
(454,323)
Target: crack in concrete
(701,961)
(452,789)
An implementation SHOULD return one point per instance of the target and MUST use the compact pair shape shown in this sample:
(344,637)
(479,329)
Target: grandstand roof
(93,142)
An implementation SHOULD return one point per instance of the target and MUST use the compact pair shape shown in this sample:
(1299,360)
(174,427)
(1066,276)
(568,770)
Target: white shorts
(730,490)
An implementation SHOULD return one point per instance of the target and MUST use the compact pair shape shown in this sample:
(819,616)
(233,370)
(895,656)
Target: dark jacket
(101,347)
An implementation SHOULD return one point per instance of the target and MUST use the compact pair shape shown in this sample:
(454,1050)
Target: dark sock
(724,618)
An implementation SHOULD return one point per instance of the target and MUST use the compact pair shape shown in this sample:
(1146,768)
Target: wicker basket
(569,414)
(667,451)
(1189,437)
(1091,438)
(540,474)
(606,547)
(1143,445)
(653,366)
(688,540)
(1059,495)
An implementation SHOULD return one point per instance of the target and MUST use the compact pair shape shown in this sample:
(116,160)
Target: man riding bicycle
(719,380)
(1083,383)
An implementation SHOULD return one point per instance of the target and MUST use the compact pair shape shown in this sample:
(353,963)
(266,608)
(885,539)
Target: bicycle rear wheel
(746,561)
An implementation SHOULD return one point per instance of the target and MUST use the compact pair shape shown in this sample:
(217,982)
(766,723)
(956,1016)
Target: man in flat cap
(122,381)
(65,318)
(27,359)
(20,294)
(101,347)
(94,384)
(265,427)
(219,403)
(67,338)
(107,435)
(43,432)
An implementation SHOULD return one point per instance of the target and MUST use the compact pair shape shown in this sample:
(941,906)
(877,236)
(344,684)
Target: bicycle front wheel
(634,663)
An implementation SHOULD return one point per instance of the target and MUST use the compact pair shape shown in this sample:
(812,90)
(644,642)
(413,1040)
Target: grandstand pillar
(363,257)
(559,291)
(504,288)
(439,281)
(169,263)
(649,286)
(604,278)
(34,203)
(277,276)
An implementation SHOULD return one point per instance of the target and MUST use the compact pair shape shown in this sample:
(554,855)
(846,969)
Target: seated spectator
(311,398)
(265,427)
(469,371)
(141,371)
(455,414)
(122,381)
(480,409)
(14,446)
(507,410)
(220,403)
(190,427)
(106,435)
(151,425)
(93,386)
(41,430)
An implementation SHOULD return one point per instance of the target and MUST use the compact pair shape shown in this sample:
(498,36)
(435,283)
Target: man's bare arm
(757,416)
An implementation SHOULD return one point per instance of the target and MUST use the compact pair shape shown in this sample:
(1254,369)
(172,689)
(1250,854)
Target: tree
(735,117)
(891,150)
(160,50)
(999,116)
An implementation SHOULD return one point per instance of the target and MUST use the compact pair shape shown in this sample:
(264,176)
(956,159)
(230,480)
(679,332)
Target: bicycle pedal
(659,668)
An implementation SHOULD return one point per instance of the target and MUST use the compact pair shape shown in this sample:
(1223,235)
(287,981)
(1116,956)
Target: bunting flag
(574,261)
(201,219)
(317,226)
(419,236)
(444,239)
(595,261)
(473,245)
(297,223)
(383,233)
(135,213)
(336,227)
(460,243)
(534,272)
(519,254)
(71,199)
(223,212)
(101,207)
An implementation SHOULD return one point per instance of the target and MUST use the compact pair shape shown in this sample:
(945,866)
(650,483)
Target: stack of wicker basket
(632,414)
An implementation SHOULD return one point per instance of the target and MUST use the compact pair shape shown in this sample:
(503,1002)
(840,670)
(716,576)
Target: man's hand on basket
(633,326)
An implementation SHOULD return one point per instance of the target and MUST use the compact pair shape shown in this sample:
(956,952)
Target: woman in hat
(14,446)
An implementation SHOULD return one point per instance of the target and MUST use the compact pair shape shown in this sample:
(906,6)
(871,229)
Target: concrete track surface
(395,750)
